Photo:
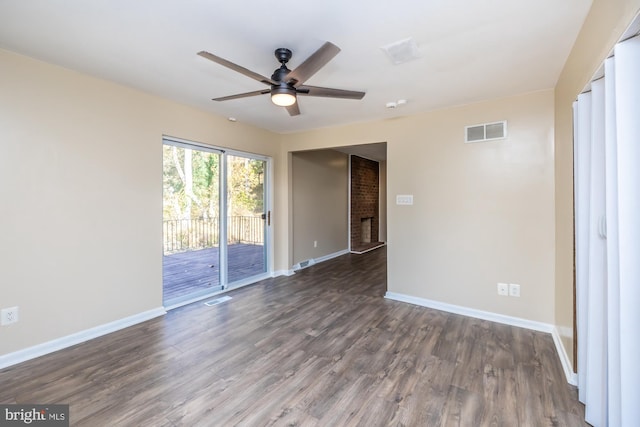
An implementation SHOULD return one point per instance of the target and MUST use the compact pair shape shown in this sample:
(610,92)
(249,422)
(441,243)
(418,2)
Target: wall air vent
(485,132)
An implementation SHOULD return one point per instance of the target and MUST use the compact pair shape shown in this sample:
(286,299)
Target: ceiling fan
(286,84)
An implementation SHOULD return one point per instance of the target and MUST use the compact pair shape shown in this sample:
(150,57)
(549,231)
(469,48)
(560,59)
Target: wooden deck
(194,271)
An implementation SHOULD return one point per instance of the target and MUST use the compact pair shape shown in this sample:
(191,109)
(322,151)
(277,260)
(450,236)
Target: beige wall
(320,195)
(382,233)
(81,196)
(80,184)
(603,26)
(483,213)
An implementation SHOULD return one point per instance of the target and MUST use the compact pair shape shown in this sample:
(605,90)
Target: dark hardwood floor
(320,348)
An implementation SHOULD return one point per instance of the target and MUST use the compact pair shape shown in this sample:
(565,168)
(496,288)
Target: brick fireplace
(365,202)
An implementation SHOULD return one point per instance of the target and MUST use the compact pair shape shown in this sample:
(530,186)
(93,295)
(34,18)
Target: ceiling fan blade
(293,110)
(243,95)
(236,67)
(329,92)
(313,63)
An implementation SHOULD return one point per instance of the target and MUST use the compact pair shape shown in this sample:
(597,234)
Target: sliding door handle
(267,216)
(603,227)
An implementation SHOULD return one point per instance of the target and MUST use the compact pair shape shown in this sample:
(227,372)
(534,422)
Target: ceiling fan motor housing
(280,74)
(283,55)
(282,88)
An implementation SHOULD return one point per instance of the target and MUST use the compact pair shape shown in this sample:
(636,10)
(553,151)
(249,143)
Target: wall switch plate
(514,290)
(404,199)
(8,316)
(503,289)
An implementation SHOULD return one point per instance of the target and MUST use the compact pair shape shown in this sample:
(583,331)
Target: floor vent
(304,264)
(485,132)
(217,301)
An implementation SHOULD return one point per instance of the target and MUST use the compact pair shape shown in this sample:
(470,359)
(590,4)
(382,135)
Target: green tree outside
(191,198)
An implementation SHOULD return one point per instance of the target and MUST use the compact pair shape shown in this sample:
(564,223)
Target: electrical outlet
(315,243)
(503,289)
(514,290)
(8,316)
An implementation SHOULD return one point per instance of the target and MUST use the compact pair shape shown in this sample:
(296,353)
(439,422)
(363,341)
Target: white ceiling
(469,50)
(376,151)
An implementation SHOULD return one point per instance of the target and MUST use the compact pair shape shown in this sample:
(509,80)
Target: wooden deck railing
(181,235)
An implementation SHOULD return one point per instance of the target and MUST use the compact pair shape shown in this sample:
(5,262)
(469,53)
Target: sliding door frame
(223,232)
(267,229)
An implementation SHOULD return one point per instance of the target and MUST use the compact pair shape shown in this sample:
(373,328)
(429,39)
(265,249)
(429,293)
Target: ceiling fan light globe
(283,99)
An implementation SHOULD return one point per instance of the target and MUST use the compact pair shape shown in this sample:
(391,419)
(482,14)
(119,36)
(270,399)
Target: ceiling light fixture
(283,96)
(394,104)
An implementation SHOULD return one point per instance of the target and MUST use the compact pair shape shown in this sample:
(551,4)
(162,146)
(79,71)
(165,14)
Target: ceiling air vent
(486,132)
(402,51)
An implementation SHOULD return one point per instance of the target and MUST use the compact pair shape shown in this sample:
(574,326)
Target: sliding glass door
(215,220)
(191,222)
(247,218)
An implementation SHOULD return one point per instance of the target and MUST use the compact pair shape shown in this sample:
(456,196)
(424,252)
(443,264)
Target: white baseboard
(331,256)
(498,318)
(323,258)
(77,338)
(304,264)
(283,273)
(572,377)
(370,249)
